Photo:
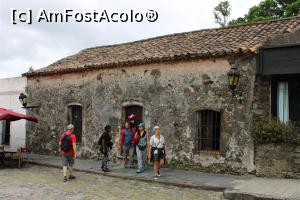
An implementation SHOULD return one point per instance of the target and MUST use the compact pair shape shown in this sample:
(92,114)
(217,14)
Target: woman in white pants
(140,139)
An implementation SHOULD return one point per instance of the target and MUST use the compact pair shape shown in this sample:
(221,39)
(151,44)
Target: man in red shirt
(68,150)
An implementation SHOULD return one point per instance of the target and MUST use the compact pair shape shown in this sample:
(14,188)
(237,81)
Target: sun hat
(141,125)
(131,117)
(156,127)
(70,126)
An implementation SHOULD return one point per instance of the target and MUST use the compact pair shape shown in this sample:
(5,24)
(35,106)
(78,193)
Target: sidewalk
(234,187)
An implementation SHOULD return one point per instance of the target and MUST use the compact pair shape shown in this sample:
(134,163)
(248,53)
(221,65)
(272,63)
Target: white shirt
(158,143)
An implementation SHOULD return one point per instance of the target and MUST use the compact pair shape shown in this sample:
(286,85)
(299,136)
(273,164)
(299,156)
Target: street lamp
(23,99)
(233,78)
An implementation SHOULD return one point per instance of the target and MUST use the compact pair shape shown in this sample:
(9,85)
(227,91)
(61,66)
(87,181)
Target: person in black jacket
(105,145)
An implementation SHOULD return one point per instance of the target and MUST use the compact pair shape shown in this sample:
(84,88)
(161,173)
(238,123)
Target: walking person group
(134,140)
(137,140)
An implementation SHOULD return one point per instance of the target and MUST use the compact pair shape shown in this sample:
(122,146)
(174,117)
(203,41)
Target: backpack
(66,143)
(142,142)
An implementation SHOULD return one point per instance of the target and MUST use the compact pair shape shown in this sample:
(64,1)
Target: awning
(13,116)
(279,60)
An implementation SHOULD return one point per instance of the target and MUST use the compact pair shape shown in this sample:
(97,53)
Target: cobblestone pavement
(42,183)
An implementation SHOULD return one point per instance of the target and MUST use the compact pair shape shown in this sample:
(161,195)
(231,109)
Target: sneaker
(139,171)
(72,177)
(143,169)
(155,177)
(158,174)
(105,170)
(65,179)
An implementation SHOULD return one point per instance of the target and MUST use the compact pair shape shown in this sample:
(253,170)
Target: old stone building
(177,81)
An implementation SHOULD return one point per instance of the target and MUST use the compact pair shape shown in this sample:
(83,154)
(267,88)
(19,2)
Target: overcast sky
(40,44)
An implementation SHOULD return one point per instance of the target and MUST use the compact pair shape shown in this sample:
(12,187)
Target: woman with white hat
(157,142)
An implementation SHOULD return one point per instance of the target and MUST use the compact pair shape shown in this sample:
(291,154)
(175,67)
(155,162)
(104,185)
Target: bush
(274,131)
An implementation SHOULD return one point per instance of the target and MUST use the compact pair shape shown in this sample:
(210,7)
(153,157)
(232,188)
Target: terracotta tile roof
(217,42)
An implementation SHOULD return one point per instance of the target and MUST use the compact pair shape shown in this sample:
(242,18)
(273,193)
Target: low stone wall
(277,160)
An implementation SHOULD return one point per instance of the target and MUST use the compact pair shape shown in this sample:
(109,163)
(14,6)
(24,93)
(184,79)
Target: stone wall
(261,104)
(170,93)
(278,160)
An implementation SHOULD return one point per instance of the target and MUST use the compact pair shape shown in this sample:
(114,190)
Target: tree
(222,13)
(293,8)
(269,9)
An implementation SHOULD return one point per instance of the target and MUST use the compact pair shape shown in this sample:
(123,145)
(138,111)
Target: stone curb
(111,174)
(245,196)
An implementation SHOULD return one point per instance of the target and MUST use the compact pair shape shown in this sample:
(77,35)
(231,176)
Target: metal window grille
(209,130)
(75,118)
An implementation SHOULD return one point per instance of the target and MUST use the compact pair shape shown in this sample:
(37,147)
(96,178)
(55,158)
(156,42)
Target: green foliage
(222,13)
(85,155)
(293,8)
(274,131)
(269,9)
(179,164)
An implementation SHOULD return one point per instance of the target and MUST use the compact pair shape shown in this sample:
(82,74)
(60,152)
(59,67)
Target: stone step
(232,195)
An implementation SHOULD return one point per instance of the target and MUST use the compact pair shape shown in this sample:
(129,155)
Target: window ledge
(208,152)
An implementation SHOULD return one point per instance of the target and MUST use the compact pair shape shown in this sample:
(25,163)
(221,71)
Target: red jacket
(136,138)
(122,134)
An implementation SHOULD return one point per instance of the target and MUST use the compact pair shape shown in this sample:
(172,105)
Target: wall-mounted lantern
(233,78)
(23,100)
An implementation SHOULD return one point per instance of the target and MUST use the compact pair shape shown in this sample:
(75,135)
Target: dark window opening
(286,99)
(5,132)
(75,118)
(137,111)
(208,136)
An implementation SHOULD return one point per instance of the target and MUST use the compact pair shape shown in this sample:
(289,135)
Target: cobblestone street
(36,182)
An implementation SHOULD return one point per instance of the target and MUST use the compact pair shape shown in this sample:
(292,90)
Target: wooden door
(75,118)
